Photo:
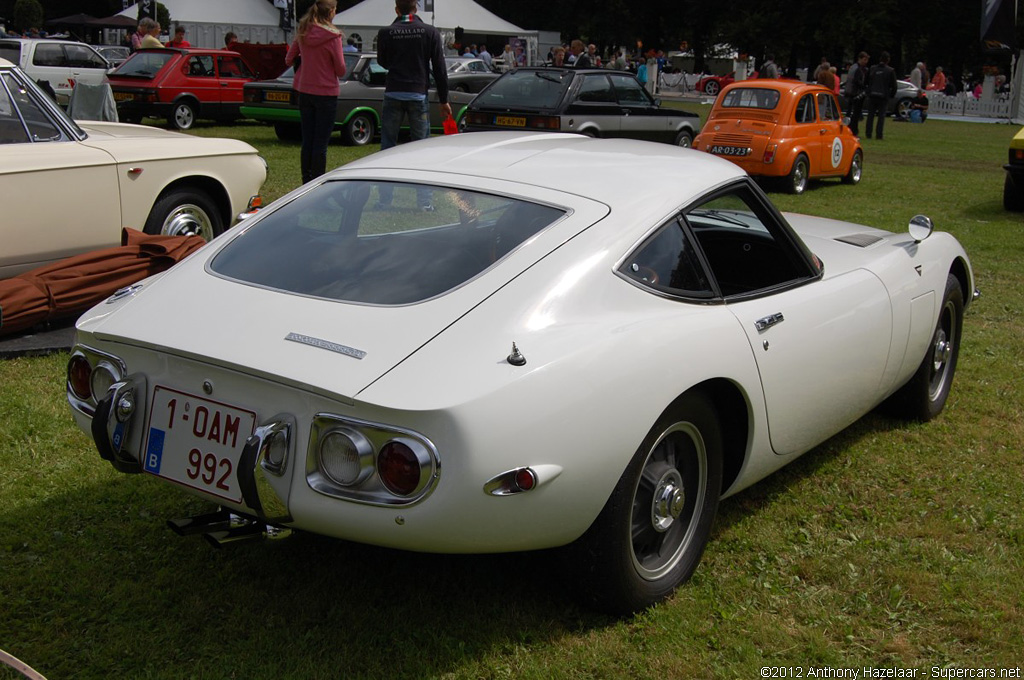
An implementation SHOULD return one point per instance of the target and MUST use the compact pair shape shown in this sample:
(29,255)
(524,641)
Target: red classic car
(180,85)
(782,129)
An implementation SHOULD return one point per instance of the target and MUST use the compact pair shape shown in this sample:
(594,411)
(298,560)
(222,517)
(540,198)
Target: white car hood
(137,143)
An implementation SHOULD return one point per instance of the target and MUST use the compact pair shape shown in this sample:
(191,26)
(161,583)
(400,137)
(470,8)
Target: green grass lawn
(890,545)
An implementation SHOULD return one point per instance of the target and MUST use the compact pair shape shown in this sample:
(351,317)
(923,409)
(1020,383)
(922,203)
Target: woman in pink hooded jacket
(319,62)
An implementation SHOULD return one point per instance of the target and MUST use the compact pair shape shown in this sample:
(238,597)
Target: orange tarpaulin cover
(75,284)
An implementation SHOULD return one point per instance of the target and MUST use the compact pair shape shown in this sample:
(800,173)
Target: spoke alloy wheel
(667,501)
(942,350)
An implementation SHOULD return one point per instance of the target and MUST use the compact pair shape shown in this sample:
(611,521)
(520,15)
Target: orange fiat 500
(784,129)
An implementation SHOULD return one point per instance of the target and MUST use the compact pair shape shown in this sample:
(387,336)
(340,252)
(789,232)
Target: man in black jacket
(410,50)
(856,78)
(881,85)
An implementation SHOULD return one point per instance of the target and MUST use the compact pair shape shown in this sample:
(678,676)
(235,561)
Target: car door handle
(766,322)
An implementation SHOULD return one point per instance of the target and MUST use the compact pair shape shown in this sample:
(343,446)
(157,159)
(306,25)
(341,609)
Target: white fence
(964,104)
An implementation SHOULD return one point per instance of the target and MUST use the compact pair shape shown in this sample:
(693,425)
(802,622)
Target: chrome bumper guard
(117,424)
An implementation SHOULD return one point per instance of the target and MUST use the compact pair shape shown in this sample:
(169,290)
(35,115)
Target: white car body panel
(604,356)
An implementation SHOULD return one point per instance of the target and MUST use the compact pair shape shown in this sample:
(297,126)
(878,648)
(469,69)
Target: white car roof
(609,170)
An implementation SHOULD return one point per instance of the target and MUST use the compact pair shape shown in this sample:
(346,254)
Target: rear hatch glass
(143,64)
(526,89)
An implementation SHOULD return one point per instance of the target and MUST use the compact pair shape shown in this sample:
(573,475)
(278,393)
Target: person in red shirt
(318,58)
(179,38)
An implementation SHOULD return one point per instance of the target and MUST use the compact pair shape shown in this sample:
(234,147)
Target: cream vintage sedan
(68,188)
(540,358)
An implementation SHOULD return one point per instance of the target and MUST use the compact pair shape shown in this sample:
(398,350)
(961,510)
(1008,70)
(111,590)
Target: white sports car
(69,187)
(467,344)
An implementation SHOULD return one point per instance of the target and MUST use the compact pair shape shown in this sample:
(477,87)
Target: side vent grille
(860,240)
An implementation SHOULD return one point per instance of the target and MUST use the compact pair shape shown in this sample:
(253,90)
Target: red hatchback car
(180,85)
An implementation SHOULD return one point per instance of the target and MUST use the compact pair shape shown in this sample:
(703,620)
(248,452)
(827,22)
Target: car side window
(746,248)
(478,67)
(11,129)
(48,54)
(827,109)
(232,67)
(805,109)
(39,125)
(80,56)
(628,90)
(596,88)
(668,262)
(201,66)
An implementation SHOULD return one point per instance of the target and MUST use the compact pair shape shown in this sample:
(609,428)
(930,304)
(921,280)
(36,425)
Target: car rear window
(372,242)
(751,98)
(144,64)
(523,88)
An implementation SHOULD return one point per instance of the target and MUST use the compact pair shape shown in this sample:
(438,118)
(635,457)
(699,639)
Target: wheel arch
(212,187)
(734,417)
(960,269)
(356,111)
(188,98)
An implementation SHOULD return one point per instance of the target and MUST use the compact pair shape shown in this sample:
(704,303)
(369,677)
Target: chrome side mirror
(920,228)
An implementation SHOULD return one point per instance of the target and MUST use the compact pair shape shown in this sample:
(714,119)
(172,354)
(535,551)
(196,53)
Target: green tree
(27,14)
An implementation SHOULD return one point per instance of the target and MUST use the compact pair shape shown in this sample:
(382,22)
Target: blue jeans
(316,117)
(418,114)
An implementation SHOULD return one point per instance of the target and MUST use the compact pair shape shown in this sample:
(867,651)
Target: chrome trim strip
(326,344)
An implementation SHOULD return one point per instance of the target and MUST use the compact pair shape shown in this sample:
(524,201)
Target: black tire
(359,129)
(925,394)
(183,116)
(711,88)
(288,132)
(1013,195)
(684,139)
(856,168)
(185,211)
(799,175)
(651,534)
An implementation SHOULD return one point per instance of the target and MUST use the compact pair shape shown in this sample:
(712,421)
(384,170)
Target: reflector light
(399,468)
(277,448)
(79,373)
(525,479)
(769,153)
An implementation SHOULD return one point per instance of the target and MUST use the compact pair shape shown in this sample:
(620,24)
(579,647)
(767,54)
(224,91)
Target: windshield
(751,98)
(144,64)
(526,88)
(385,243)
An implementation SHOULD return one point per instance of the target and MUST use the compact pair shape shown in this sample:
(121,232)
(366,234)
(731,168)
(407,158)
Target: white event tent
(206,22)
(362,22)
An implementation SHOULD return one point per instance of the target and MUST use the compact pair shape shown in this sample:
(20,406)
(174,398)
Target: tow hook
(223,527)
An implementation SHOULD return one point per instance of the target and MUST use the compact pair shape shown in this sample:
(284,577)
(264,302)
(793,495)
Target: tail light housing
(769,153)
(90,373)
(370,462)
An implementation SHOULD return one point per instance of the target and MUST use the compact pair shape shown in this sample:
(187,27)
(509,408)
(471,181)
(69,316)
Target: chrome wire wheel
(667,501)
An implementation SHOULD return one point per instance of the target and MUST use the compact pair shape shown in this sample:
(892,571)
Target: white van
(61,63)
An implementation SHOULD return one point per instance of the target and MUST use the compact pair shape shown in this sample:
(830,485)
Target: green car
(1013,186)
(360,101)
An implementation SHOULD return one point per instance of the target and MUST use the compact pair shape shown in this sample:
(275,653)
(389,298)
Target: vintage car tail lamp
(369,462)
(90,374)
(769,153)
(1017,155)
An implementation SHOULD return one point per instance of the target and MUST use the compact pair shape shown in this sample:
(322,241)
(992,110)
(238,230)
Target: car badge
(326,344)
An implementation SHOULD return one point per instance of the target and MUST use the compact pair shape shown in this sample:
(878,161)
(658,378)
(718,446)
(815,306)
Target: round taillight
(346,456)
(401,465)
(79,374)
(525,479)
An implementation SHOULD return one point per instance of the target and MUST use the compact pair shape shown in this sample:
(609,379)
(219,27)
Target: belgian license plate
(510,121)
(721,150)
(122,96)
(278,96)
(197,442)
